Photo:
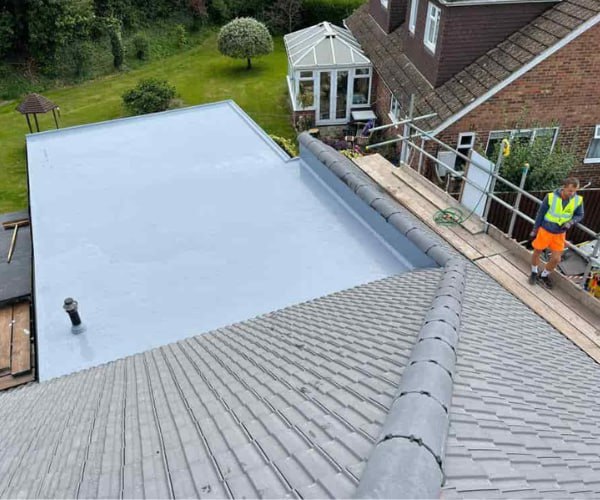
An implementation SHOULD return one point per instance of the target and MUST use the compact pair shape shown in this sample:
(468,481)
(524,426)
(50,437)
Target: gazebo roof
(36,103)
(324,45)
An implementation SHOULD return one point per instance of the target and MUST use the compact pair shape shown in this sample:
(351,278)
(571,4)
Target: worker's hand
(533,234)
(568,226)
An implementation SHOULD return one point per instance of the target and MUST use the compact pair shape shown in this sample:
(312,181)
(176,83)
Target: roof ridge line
(412,467)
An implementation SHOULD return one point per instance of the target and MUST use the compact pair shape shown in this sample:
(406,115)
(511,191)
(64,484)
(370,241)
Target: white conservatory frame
(326,48)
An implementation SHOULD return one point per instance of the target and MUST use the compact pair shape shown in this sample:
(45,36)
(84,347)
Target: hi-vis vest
(559,215)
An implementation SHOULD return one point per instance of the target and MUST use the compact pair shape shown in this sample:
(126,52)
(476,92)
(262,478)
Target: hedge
(334,11)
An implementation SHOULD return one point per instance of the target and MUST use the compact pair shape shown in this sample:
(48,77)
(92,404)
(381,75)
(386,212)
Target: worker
(560,211)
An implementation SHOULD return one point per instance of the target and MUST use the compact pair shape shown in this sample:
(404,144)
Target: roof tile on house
(480,76)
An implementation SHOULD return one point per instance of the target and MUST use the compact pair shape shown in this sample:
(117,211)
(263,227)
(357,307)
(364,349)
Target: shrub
(288,145)
(141,46)
(116,44)
(334,11)
(181,34)
(548,168)
(149,96)
(284,15)
(245,38)
(6,32)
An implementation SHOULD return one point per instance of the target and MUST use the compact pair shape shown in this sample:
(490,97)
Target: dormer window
(432,27)
(412,20)
(384,3)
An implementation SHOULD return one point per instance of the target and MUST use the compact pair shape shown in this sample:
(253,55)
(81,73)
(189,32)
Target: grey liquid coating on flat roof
(166,226)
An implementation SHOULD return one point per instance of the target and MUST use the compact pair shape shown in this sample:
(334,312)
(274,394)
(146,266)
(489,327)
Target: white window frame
(394,105)
(432,27)
(412,22)
(354,76)
(461,147)
(384,3)
(305,79)
(511,134)
(595,138)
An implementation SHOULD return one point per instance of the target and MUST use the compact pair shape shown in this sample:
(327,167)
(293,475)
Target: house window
(524,136)
(306,90)
(395,110)
(466,142)
(593,152)
(412,22)
(432,27)
(384,3)
(360,86)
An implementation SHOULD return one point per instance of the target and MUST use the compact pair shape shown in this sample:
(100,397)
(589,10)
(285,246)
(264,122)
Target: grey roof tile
(242,411)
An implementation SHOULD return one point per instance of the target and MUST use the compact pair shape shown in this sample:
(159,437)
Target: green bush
(149,96)
(334,11)
(116,45)
(245,38)
(182,37)
(288,145)
(7,32)
(141,46)
(547,168)
(75,60)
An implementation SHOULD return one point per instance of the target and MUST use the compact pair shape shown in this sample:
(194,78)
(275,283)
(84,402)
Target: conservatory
(328,74)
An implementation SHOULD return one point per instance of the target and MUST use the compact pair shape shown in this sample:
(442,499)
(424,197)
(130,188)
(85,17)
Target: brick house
(489,69)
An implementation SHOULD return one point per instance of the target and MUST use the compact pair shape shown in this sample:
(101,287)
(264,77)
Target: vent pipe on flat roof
(70,306)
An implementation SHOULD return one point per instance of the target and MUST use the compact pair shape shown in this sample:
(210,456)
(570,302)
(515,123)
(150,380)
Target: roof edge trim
(408,458)
(590,23)
(371,193)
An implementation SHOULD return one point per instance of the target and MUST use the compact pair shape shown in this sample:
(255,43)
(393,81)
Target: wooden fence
(500,216)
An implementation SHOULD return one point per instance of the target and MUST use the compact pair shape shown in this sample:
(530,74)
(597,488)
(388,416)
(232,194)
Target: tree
(548,167)
(55,23)
(149,96)
(7,32)
(285,15)
(245,38)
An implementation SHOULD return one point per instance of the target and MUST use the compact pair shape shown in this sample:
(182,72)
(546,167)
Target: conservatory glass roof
(324,45)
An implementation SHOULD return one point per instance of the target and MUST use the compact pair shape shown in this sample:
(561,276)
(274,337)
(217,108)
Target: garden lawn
(201,75)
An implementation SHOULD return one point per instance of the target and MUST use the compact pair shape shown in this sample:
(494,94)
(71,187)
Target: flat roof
(165,226)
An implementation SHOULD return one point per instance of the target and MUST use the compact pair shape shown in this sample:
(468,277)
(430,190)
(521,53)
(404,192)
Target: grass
(200,74)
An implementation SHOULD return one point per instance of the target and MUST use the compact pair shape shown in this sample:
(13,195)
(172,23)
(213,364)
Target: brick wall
(563,90)
(465,34)
(392,17)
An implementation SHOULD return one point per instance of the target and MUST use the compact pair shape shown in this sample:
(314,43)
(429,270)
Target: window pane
(306,95)
(341,95)
(466,140)
(360,91)
(594,149)
(306,74)
(431,30)
(495,139)
(324,95)
(414,6)
(362,71)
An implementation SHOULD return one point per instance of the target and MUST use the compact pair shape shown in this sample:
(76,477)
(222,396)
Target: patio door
(332,106)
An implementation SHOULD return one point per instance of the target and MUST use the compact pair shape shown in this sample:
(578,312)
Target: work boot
(533,278)
(547,281)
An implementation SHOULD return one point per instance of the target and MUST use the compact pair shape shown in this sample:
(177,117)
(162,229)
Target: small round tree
(245,38)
